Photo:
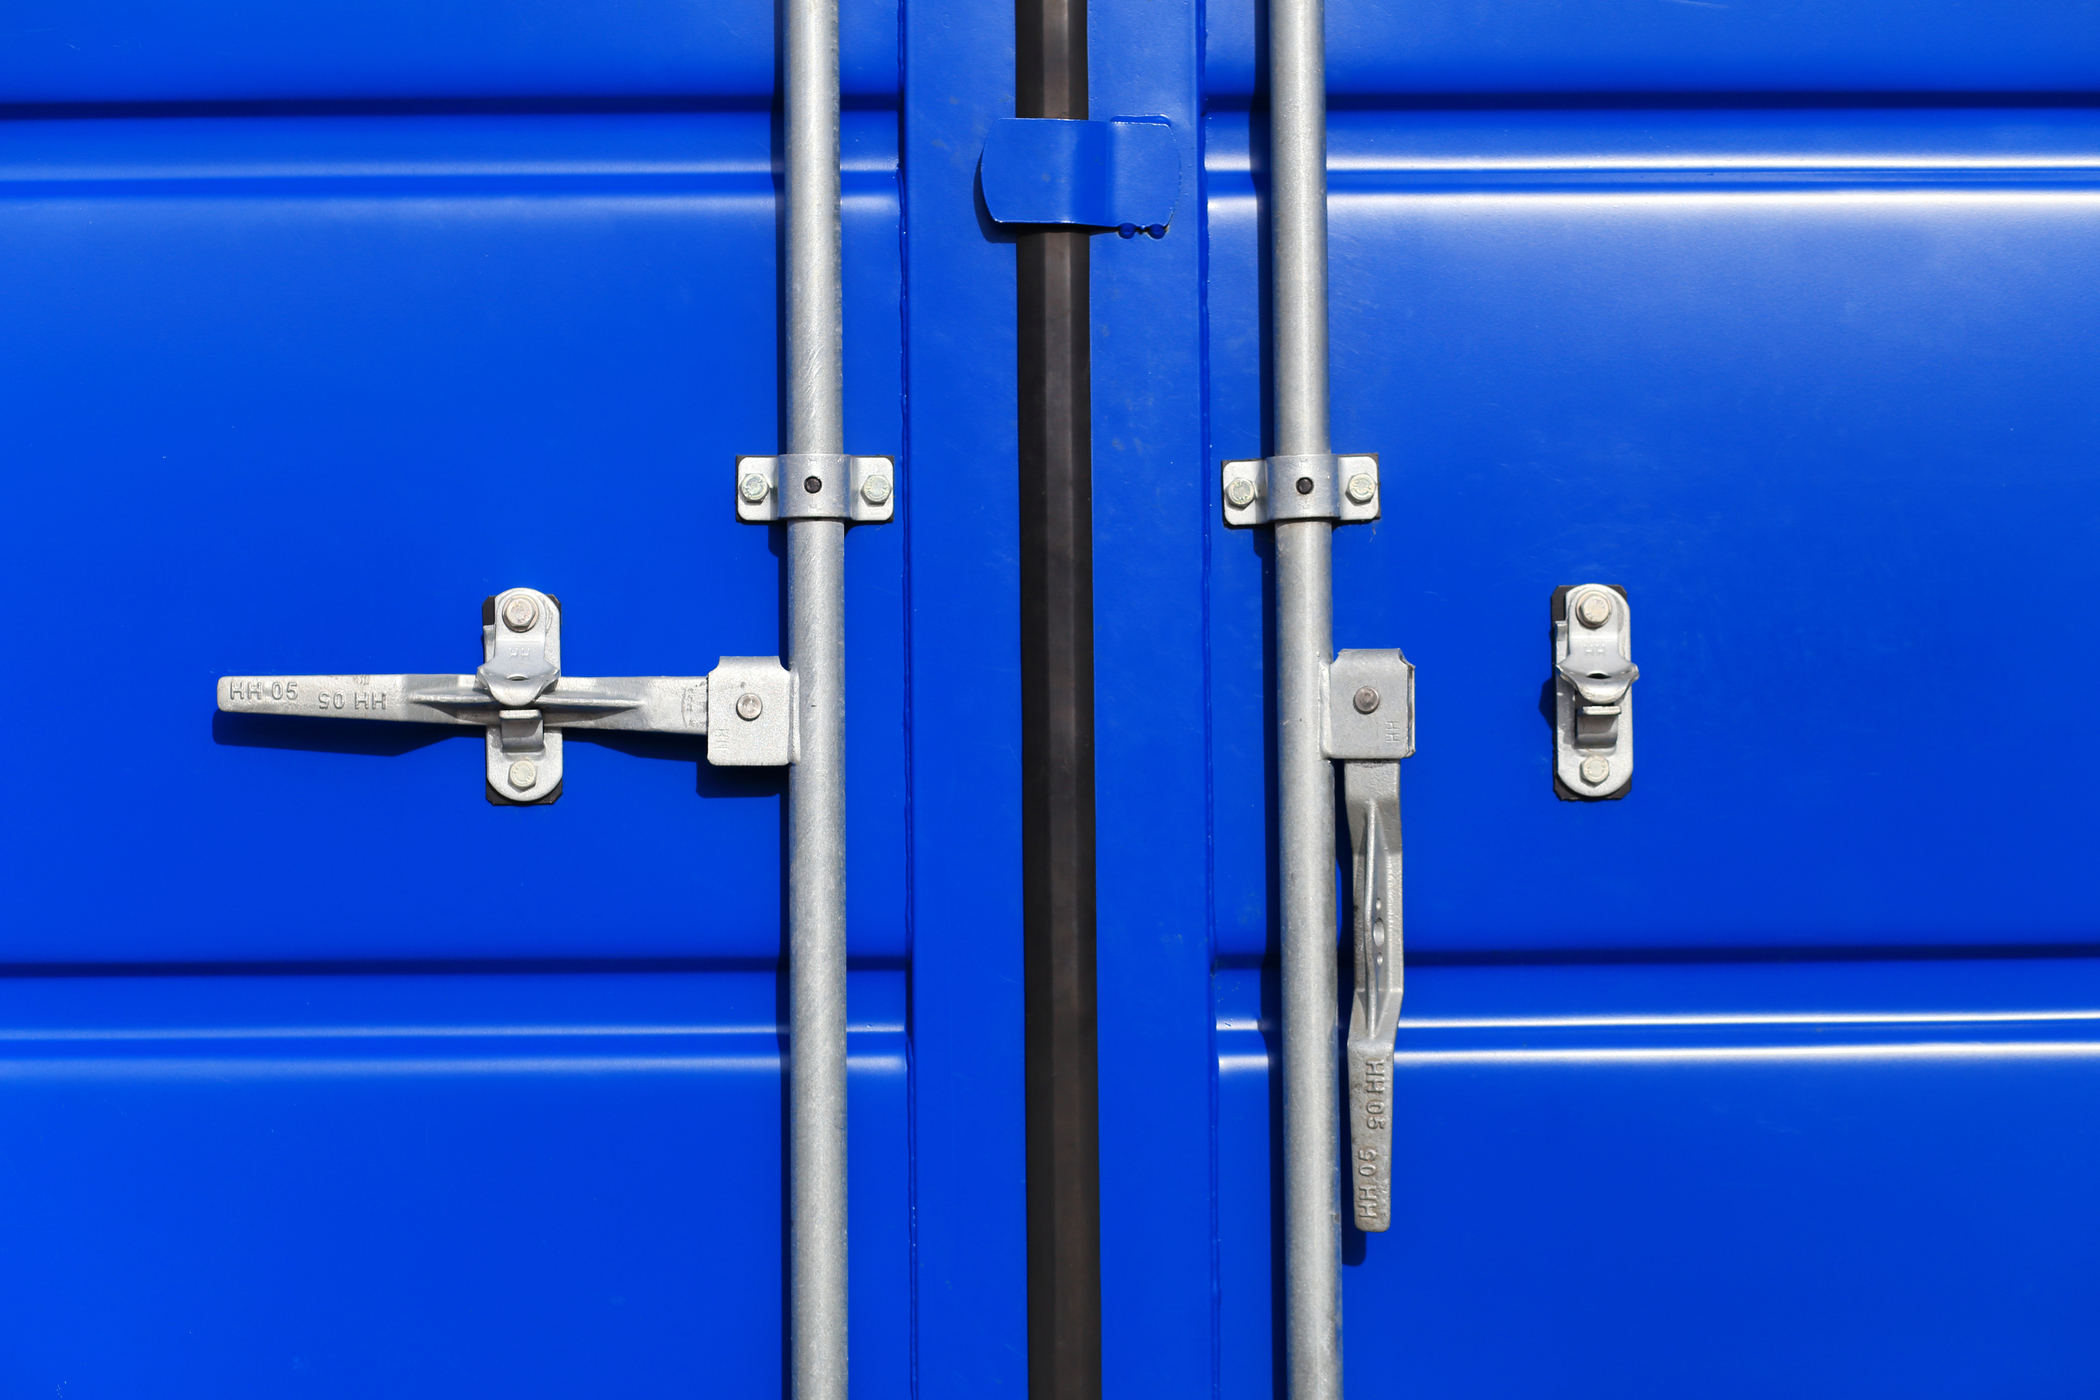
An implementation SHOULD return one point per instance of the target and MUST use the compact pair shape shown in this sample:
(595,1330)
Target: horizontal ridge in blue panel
(1664,1199)
(105,51)
(426,1186)
(1405,52)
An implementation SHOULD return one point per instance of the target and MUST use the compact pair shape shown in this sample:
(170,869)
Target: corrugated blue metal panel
(321,326)
(295,395)
(1693,1098)
(1814,395)
(1886,1196)
(418,1186)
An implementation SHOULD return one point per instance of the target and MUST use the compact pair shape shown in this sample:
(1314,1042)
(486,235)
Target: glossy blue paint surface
(1153,829)
(1773,1077)
(1812,394)
(322,1076)
(332,1186)
(1834,1207)
(1040,170)
(1517,52)
(315,387)
(963,616)
(128,51)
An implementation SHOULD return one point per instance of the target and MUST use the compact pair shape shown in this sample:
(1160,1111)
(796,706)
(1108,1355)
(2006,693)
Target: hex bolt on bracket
(521,700)
(1593,676)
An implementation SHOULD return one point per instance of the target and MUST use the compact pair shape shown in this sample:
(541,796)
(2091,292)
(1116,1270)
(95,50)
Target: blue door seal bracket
(1106,174)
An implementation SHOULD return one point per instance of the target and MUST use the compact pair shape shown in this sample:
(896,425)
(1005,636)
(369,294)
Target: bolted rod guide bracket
(816,486)
(1306,486)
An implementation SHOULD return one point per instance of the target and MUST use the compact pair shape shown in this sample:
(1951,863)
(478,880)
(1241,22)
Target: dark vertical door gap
(1057,715)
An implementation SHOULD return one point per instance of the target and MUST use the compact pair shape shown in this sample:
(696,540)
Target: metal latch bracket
(1593,676)
(519,697)
(1370,706)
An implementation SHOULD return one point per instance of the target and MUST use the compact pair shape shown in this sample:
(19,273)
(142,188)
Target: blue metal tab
(1101,174)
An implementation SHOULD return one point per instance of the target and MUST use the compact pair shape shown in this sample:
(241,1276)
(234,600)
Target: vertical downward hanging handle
(1370,727)
(1372,794)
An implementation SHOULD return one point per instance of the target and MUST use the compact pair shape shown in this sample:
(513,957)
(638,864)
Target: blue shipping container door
(321,1074)
(1777,1075)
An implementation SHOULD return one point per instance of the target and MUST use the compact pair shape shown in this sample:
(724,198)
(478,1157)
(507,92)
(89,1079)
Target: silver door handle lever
(745,706)
(1371,727)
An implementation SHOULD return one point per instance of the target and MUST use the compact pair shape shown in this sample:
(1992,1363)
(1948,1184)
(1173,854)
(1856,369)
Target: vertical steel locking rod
(816,655)
(1304,642)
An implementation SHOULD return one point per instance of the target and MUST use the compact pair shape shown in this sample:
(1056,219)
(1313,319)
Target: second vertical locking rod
(815,388)
(1304,642)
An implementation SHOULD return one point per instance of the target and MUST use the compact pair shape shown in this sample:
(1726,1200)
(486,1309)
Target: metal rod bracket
(1302,486)
(816,486)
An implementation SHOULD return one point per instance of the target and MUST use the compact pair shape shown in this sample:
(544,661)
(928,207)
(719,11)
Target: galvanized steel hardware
(1092,174)
(1363,718)
(1371,727)
(1301,491)
(813,390)
(1370,706)
(1306,486)
(816,486)
(522,700)
(1371,795)
(1593,676)
(750,713)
